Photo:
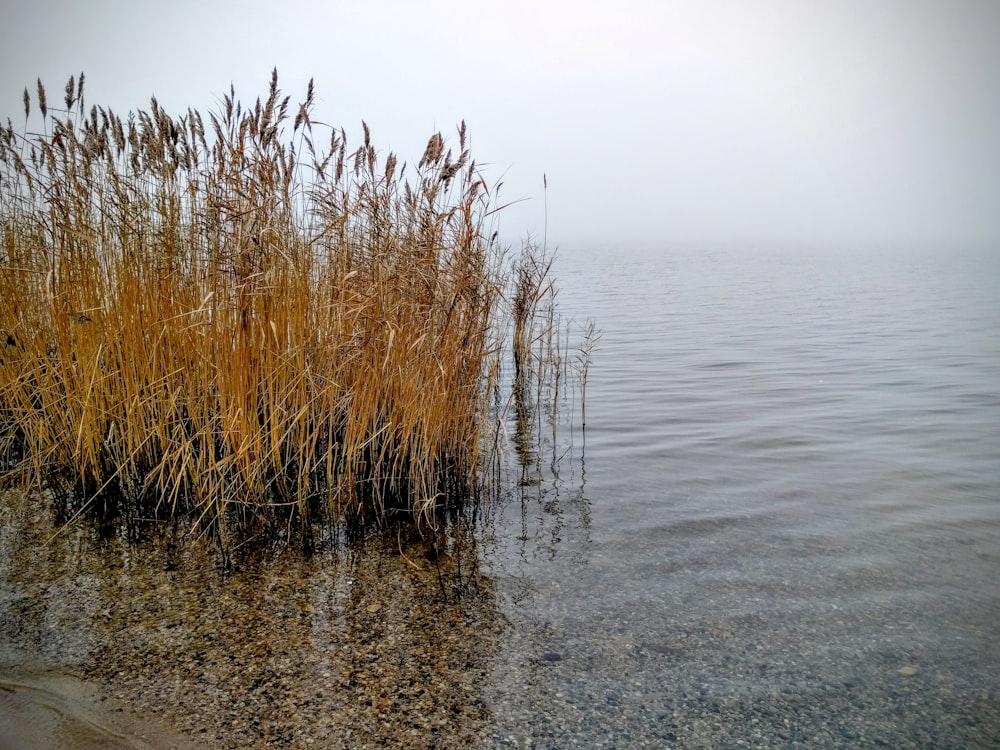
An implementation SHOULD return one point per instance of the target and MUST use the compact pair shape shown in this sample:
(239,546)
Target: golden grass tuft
(245,319)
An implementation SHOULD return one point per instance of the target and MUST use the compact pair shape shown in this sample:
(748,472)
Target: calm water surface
(786,528)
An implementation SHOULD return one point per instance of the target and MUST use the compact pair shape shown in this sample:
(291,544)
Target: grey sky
(822,121)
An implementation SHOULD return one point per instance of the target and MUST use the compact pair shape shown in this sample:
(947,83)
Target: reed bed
(242,319)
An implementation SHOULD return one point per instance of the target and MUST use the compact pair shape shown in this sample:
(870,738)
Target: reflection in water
(349,648)
(379,642)
(543,441)
(525,445)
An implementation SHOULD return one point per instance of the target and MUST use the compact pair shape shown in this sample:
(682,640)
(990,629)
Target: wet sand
(50,710)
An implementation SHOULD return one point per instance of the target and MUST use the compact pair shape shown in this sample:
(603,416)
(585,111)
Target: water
(781,529)
(791,492)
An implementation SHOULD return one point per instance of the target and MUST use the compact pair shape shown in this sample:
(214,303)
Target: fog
(829,122)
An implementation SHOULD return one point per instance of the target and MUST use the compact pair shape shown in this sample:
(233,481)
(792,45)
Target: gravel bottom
(355,649)
(359,649)
(708,688)
(734,633)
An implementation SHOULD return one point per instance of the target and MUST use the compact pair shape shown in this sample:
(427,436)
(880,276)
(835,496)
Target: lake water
(780,529)
(786,531)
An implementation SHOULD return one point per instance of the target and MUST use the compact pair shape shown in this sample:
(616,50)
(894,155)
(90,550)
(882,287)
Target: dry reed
(243,319)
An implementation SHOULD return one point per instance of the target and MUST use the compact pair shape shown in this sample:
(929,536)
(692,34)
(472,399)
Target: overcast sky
(784,121)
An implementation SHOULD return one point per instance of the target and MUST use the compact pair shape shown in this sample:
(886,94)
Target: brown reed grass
(243,319)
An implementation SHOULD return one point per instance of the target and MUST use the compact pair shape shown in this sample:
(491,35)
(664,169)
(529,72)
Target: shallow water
(789,528)
(781,529)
